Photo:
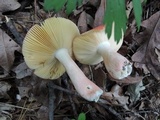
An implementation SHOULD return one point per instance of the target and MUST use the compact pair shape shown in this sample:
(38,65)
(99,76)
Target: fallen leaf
(145,69)
(152,61)
(23,91)
(149,38)
(116,97)
(99,77)
(90,20)
(82,22)
(100,14)
(128,80)
(8,5)
(7,49)
(134,91)
(22,71)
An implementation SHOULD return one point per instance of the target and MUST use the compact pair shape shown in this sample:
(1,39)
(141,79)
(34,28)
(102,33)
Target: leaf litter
(135,97)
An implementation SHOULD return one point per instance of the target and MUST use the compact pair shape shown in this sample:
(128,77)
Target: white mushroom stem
(86,88)
(116,64)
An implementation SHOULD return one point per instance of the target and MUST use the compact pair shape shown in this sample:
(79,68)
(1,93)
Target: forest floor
(24,96)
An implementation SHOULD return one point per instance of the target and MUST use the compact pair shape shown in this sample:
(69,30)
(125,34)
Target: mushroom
(47,48)
(93,46)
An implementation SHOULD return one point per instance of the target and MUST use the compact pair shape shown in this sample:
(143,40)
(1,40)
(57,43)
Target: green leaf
(79,2)
(137,8)
(57,5)
(54,4)
(48,5)
(115,13)
(82,116)
(71,5)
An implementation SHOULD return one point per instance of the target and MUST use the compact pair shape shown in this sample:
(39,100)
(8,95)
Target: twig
(64,90)
(18,38)
(9,105)
(51,100)
(64,77)
(23,112)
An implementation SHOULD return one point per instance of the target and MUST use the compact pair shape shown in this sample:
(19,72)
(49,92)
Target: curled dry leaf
(150,41)
(8,5)
(7,49)
(116,97)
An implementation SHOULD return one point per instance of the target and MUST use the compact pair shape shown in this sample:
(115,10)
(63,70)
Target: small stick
(14,106)
(51,100)
(64,90)
(18,37)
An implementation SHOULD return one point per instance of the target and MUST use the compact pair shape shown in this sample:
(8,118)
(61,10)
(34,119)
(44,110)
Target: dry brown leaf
(90,20)
(116,97)
(100,14)
(7,49)
(128,80)
(22,71)
(8,5)
(82,22)
(99,77)
(150,38)
(134,91)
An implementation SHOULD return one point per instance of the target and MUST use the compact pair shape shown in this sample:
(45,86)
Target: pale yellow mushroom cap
(42,41)
(85,45)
